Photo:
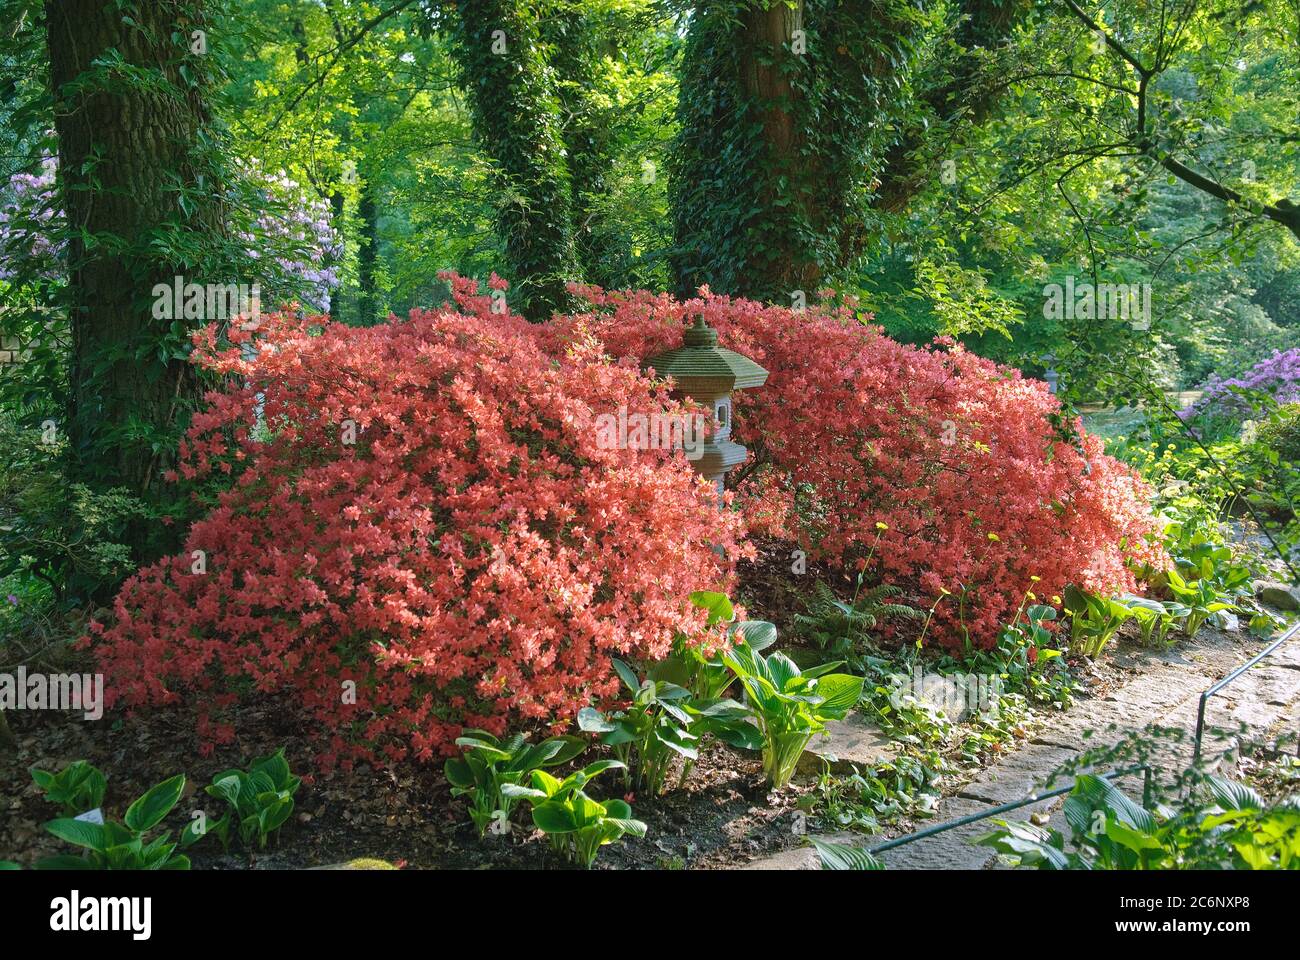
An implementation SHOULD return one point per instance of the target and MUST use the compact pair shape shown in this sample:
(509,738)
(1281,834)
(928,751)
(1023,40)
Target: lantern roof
(700,364)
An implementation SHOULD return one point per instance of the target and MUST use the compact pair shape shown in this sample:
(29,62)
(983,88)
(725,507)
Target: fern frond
(899,610)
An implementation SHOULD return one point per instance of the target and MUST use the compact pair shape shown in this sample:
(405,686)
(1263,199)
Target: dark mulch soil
(723,817)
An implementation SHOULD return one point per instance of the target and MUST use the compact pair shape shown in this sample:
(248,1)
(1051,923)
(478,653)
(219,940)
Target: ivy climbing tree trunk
(503,69)
(784,111)
(770,58)
(143,206)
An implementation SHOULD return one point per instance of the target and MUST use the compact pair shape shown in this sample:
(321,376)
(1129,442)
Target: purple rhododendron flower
(297,230)
(1278,376)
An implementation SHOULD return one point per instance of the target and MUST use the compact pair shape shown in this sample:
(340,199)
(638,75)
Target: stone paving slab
(803,857)
(853,741)
(1021,775)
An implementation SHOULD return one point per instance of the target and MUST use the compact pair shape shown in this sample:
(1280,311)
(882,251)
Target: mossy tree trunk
(784,112)
(504,72)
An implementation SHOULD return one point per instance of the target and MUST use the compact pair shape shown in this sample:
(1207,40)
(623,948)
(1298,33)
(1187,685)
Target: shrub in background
(1281,432)
(421,533)
(1225,404)
(967,463)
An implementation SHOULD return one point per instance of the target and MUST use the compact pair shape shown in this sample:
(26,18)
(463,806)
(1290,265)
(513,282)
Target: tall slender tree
(503,68)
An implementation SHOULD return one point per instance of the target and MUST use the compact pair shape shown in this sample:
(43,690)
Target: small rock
(797,858)
(1227,621)
(944,693)
(801,857)
(1277,594)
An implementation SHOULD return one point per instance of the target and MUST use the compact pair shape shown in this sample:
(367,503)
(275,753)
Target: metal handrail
(1205,697)
(1145,770)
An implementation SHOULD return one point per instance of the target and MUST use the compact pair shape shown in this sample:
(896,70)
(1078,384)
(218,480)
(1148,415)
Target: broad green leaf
(591,720)
(457,772)
(718,605)
(844,856)
(1234,796)
(79,832)
(840,693)
(757,634)
(554,817)
(149,810)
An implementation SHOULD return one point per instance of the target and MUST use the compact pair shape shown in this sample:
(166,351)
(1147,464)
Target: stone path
(1161,688)
(1165,690)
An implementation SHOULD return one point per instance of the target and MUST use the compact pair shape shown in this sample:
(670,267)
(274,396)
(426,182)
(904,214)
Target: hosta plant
(788,705)
(1201,557)
(1094,620)
(646,735)
(76,788)
(260,800)
(123,846)
(700,670)
(844,856)
(1155,618)
(663,721)
(577,825)
(1202,598)
(489,763)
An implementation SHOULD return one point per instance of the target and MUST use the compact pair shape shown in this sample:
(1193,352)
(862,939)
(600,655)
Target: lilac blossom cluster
(1278,376)
(292,232)
(30,224)
(296,233)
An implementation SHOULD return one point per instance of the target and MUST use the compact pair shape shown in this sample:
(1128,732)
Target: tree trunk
(133,183)
(367,255)
(785,112)
(766,67)
(504,73)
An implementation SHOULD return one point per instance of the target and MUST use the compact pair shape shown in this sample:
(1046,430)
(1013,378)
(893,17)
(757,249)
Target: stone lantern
(707,374)
(1051,376)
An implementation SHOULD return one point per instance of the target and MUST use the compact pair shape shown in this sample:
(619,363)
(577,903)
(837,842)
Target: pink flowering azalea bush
(419,528)
(419,532)
(957,457)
